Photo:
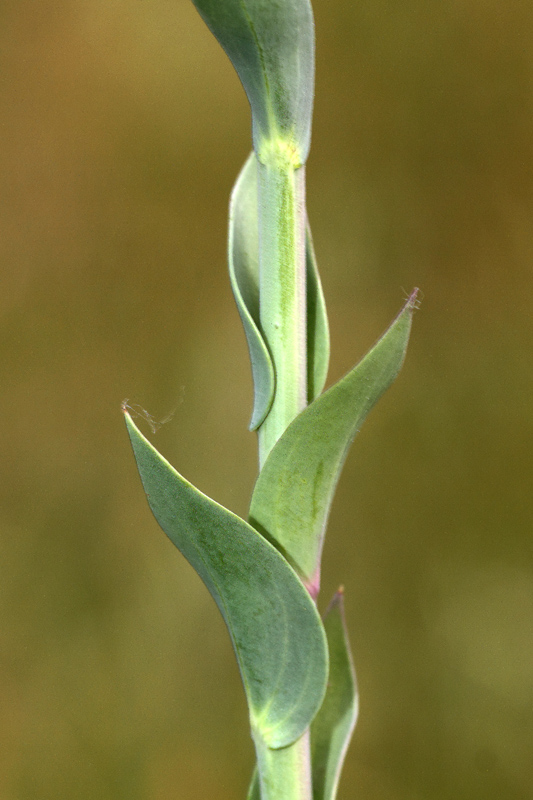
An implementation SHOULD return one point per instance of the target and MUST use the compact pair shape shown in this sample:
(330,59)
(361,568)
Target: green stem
(282,288)
(285,774)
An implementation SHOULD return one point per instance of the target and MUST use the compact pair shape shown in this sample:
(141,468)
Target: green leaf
(292,497)
(254,791)
(332,728)
(243,259)
(271,46)
(274,626)
(317,325)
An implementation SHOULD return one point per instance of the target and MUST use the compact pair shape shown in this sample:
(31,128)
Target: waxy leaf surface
(275,629)
(271,46)
(332,728)
(243,261)
(293,493)
(243,258)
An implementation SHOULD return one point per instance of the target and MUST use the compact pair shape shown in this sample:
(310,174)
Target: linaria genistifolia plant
(264,573)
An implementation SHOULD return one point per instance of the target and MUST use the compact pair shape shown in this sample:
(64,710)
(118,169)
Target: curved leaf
(275,629)
(292,497)
(243,259)
(332,728)
(317,325)
(271,46)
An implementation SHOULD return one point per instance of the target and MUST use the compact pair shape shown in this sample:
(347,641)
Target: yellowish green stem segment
(284,774)
(282,292)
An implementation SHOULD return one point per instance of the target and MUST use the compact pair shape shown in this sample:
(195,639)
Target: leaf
(274,626)
(317,325)
(332,728)
(243,259)
(271,46)
(293,494)
(254,791)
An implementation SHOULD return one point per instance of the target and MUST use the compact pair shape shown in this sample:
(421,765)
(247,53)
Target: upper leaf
(271,46)
(293,493)
(243,259)
(333,726)
(274,626)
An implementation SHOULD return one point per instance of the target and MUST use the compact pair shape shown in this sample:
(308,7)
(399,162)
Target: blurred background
(123,127)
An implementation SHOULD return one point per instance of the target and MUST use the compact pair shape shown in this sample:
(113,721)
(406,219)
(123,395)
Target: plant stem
(285,774)
(282,287)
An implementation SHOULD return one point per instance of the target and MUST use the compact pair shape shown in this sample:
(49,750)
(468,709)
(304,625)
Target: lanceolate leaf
(243,258)
(333,726)
(275,629)
(271,46)
(292,497)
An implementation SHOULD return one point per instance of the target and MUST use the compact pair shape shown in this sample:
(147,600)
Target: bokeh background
(122,130)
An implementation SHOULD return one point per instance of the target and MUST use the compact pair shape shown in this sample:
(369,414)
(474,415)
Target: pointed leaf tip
(293,493)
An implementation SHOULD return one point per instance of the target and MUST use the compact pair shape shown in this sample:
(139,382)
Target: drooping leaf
(243,258)
(271,46)
(275,629)
(332,728)
(292,497)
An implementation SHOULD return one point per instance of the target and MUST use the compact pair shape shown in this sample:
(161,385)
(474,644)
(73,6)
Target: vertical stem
(284,774)
(282,289)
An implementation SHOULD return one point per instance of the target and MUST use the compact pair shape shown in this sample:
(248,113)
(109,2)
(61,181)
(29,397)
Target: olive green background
(122,130)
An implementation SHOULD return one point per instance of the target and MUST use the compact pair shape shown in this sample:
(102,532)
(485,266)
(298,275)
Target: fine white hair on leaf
(138,412)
